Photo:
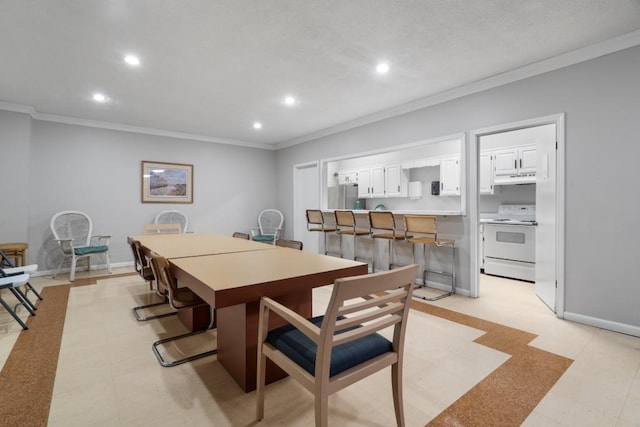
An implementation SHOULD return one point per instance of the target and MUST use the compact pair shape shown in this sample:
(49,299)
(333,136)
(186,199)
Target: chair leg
(13,314)
(72,275)
(452,274)
(32,289)
(106,255)
(321,408)
(168,364)
(23,300)
(140,318)
(260,383)
(396,384)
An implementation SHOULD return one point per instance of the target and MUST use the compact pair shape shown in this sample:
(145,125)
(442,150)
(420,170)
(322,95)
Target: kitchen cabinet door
(486,173)
(450,176)
(527,162)
(377,182)
(396,182)
(364,183)
(506,162)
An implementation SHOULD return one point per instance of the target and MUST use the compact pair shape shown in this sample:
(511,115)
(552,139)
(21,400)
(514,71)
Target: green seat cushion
(84,250)
(264,238)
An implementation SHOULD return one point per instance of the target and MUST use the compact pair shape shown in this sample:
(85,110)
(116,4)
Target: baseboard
(84,268)
(603,323)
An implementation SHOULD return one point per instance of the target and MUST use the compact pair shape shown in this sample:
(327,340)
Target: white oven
(510,248)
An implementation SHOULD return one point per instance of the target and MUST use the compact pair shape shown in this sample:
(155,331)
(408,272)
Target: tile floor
(108,376)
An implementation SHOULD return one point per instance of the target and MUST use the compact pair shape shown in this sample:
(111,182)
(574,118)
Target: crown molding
(35,115)
(550,64)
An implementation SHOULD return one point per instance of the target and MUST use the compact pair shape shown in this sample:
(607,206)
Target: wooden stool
(323,222)
(17,251)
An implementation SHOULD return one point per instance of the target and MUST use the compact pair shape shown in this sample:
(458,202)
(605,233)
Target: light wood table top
(235,278)
(196,244)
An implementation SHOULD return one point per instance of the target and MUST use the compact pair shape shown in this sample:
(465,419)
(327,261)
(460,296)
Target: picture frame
(167,182)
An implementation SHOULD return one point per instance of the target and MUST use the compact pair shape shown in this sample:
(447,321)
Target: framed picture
(167,182)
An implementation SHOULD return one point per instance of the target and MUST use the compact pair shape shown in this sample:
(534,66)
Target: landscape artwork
(167,182)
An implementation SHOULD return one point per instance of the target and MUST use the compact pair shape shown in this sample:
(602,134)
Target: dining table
(232,278)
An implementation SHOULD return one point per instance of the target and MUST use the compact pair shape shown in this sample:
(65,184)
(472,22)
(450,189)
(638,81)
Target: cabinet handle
(515,164)
(398,188)
(520,163)
(441,186)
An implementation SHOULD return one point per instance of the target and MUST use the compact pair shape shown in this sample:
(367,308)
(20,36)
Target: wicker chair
(173,217)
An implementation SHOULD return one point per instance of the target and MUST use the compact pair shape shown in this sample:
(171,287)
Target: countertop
(407,212)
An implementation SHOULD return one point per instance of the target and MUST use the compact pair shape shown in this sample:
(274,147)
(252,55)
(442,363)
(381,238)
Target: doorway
(549,200)
(306,195)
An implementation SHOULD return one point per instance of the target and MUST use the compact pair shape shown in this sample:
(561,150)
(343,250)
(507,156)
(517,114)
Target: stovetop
(515,215)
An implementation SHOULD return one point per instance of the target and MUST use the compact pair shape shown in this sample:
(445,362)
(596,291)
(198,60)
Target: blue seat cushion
(299,348)
(91,250)
(263,238)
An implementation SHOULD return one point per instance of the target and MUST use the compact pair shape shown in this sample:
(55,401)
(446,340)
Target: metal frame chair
(180,298)
(328,353)
(13,283)
(385,221)
(317,221)
(425,226)
(143,268)
(346,224)
(292,244)
(10,269)
(173,217)
(73,232)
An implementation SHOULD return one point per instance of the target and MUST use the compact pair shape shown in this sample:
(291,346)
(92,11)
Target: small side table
(17,251)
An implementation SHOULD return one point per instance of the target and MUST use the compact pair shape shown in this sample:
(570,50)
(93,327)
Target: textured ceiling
(212,68)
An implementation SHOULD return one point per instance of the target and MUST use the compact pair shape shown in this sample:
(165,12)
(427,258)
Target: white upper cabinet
(396,181)
(450,176)
(364,183)
(515,165)
(486,173)
(377,182)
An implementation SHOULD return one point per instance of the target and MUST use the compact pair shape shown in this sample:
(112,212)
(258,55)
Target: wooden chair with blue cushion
(328,353)
(73,232)
(269,226)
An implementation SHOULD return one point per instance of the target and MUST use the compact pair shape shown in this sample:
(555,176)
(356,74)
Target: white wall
(601,99)
(99,172)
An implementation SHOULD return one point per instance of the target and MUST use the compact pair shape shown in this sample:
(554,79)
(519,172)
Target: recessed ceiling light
(257,125)
(99,97)
(289,100)
(132,60)
(382,68)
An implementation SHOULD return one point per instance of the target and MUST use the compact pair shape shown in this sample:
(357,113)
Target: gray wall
(601,99)
(15,134)
(98,171)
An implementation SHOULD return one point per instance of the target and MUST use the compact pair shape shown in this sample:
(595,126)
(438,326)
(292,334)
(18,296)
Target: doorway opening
(521,162)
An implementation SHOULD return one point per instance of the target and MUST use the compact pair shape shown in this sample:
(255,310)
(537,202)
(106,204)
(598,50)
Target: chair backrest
(137,257)
(162,229)
(314,216)
(72,225)
(239,235)
(387,297)
(173,217)
(270,220)
(164,279)
(382,220)
(345,219)
(293,244)
(423,224)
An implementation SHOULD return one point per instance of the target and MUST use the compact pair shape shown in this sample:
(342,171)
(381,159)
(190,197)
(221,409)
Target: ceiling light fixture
(257,125)
(99,97)
(132,60)
(289,100)
(382,68)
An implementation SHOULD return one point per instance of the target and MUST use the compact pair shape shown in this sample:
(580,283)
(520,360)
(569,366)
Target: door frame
(474,198)
(297,226)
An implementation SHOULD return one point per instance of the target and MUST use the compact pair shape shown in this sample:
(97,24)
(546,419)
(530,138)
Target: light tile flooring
(108,376)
